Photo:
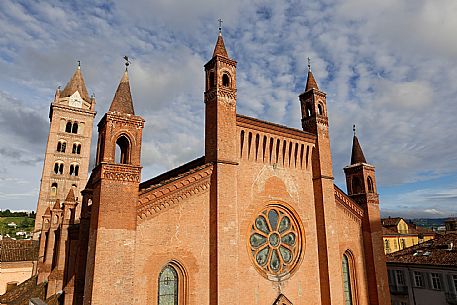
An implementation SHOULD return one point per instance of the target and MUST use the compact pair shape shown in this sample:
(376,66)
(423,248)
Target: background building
(399,234)
(426,273)
(66,161)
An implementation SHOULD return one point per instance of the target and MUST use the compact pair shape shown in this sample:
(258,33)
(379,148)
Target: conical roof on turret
(219,49)
(57,205)
(357,153)
(76,83)
(311,82)
(122,101)
(47,213)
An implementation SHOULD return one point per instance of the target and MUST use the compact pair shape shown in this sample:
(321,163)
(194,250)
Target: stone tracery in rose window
(275,242)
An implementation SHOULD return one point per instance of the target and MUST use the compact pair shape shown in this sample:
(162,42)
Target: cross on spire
(220,25)
(353,129)
(309,64)
(79,64)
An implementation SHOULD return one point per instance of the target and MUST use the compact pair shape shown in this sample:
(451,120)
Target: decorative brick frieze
(159,199)
(348,203)
(120,172)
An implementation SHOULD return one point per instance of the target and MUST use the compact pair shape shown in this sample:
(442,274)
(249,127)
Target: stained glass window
(275,242)
(168,286)
(347,281)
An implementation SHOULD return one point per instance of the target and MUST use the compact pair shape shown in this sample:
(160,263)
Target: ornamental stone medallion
(276,242)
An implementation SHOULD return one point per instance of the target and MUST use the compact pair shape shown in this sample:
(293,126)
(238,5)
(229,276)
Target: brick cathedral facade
(256,220)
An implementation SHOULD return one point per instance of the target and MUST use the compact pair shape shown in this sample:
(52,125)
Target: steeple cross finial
(353,129)
(79,64)
(309,64)
(220,25)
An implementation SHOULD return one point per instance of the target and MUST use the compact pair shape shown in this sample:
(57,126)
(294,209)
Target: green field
(23,224)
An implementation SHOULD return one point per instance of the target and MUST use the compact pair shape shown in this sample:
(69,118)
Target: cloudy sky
(388,66)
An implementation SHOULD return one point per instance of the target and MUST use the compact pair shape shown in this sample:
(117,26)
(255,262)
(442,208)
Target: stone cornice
(73,109)
(349,204)
(171,192)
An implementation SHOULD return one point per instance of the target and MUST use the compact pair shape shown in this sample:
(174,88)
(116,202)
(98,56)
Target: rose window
(275,242)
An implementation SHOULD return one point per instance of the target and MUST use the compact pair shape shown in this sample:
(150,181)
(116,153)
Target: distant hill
(431,223)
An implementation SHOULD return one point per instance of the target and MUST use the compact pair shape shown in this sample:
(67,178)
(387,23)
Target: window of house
(68,127)
(347,281)
(320,110)
(211,80)
(168,286)
(400,277)
(436,281)
(402,243)
(418,279)
(387,246)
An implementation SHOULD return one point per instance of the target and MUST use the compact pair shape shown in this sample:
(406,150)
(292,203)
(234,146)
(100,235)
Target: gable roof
(391,221)
(173,174)
(437,252)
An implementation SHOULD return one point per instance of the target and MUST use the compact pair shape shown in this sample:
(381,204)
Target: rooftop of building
(441,251)
(389,227)
(18,250)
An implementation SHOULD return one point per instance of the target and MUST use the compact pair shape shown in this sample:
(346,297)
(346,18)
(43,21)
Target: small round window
(275,242)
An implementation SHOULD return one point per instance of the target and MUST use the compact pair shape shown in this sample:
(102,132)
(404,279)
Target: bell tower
(315,121)
(114,186)
(220,110)
(361,187)
(66,161)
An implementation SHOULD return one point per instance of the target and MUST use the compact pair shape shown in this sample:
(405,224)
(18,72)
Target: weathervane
(309,64)
(220,25)
(79,64)
(353,129)
(127,62)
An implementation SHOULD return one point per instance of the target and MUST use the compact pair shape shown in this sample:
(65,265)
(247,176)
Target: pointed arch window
(168,286)
(320,109)
(122,155)
(348,280)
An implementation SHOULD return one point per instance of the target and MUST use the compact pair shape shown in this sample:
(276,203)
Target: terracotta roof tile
(18,250)
(174,174)
(391,221)
(433,252)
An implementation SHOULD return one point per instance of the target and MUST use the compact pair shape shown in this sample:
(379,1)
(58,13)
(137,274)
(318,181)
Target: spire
(219,49)
(70,196)
(47,212)
(122,101)
(310,82)
(357,153)
(57,205)
(76,83)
